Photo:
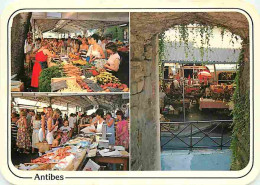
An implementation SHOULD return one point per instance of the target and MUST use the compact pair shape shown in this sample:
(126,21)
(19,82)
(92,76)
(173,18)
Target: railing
(174,140)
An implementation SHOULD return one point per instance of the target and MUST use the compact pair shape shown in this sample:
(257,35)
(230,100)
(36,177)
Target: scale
(103,142)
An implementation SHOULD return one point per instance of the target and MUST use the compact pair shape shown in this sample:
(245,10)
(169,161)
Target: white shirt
(71,122)
(99,127)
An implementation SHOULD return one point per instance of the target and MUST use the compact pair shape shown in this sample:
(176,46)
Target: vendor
(40,63)
(99,121)
(95,50)
(110,128)
(122,134)
(113,61)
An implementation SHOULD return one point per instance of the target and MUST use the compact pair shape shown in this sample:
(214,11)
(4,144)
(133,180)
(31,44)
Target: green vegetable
(46,76)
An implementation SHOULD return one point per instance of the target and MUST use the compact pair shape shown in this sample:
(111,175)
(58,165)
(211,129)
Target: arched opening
(145,128)
(196,96)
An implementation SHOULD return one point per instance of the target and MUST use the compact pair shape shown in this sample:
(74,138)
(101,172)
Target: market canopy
(176,54)
(74,21)
(73,100)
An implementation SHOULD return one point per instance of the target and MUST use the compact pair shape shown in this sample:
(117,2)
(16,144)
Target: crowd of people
(94,49)
(30,128)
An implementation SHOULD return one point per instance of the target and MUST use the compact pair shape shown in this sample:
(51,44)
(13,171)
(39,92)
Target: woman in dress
(40,63)
(23,138)
(110,128)
(122,134)
(113,61)
(44,118)
(51,126)
(36,127)
(95,51)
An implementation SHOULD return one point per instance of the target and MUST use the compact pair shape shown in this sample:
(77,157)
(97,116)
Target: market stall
(75,154)
(66,31)
(79,76)
(83,151)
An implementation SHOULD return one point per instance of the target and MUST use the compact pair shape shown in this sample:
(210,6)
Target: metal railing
(168,136)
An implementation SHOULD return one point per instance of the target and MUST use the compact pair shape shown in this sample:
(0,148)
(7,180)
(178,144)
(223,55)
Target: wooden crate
(72,79)
(18,88)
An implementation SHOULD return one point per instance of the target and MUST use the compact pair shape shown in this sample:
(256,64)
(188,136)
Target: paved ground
(218,160)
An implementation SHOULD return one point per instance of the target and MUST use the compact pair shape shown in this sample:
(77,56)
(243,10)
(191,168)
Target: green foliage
(161,38)
(46,76)
(184,37)
(117,32)
(240,143)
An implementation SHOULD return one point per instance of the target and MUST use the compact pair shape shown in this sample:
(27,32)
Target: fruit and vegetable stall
(79,76)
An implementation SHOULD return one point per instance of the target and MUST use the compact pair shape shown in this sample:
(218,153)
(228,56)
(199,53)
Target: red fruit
(114,85)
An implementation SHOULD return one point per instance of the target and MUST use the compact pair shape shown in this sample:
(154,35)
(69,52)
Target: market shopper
(95,51)
(65,132)
(37,45)
(44,118)
(52,126)
(90,125)
(113,61)
(14,129)
(84,46)
(40,63)
(122,134)
(36,127)
(110,128)
(23,139)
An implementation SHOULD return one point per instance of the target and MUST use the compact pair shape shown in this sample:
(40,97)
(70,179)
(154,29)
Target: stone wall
(145,146)
(145,136)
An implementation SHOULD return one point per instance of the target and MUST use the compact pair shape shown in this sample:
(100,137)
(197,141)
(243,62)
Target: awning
(78,21)
(73,100)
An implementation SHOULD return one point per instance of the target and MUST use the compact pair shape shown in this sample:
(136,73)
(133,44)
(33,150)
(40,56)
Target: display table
(113,160)
(78,162)
(212,104)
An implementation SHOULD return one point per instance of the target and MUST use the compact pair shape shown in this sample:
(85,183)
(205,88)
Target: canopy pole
(183,98)
(50,100)
(67,108)
(215,73)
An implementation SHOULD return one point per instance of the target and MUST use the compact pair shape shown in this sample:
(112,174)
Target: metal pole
(222,131)
(183,96)
(191,137)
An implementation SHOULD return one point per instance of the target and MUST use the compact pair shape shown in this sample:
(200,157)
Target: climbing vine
(161,57)
(240,143)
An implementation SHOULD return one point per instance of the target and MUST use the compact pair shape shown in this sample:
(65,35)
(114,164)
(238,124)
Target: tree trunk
(19,30)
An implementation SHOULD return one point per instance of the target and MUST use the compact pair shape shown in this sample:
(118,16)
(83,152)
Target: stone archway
(145,27)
